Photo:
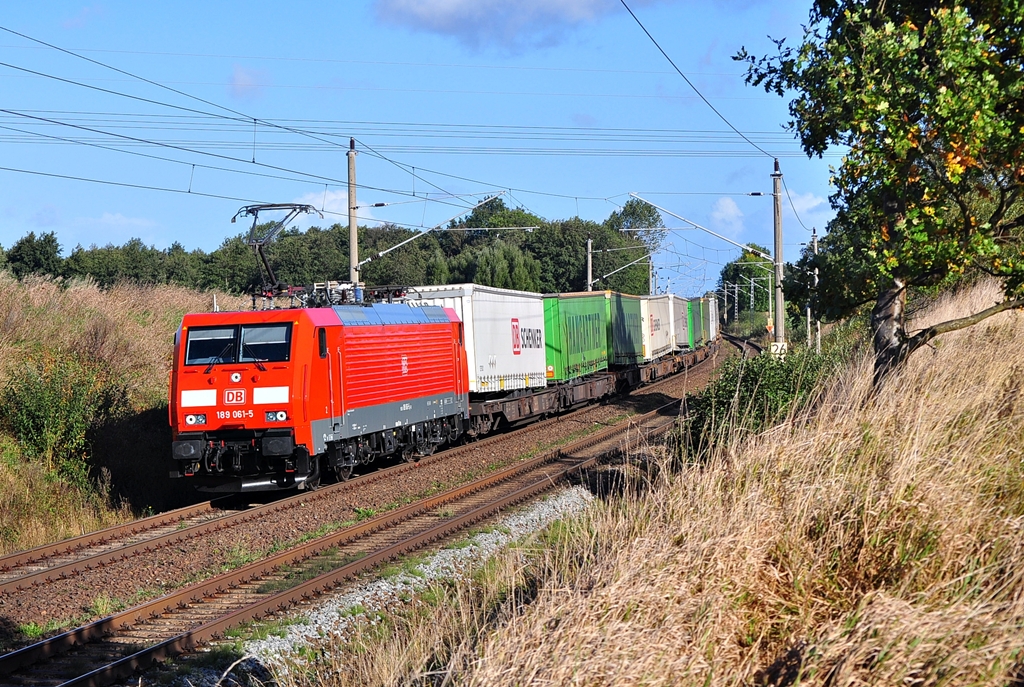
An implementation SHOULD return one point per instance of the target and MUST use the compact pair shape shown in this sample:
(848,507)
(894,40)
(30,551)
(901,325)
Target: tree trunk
(888,327)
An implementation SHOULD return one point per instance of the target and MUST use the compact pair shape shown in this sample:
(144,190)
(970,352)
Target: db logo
(517,342)
(234,397)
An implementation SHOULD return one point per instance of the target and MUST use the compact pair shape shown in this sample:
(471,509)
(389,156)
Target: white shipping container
(504,333)
(714,319)
(680,326)
(656,312)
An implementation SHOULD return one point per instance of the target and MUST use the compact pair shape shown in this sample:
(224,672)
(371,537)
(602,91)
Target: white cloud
(112,228)
(46,216)
(726,217)
(483,23)
(813,210)
(83,16)
(334,205)
(584,120)
(247,84)
(118,221)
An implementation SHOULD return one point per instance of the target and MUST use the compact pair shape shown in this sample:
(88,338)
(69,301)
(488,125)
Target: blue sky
(565,104)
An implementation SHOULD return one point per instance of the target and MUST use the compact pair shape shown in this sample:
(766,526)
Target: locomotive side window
(321,339)
(210,345)
(265,342)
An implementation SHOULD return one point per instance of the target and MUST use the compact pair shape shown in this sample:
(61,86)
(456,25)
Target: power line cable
(792,205)
(403,167)
(158,84)
(186,95)
(384,63)
(337,182)
(129,185)
(687,80)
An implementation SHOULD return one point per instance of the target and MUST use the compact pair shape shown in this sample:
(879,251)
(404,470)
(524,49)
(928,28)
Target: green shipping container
(690,329)
(626,331)
(698,327)
(705,318)
(576,328)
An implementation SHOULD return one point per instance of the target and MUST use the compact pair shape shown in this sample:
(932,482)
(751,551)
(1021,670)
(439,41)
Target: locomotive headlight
(276,416)
(195,419)
(281,416)
(200,419)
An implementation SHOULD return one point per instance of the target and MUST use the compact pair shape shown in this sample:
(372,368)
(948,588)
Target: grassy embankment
(868,539)
(83,390)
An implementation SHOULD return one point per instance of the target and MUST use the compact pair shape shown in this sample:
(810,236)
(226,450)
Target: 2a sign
(234,397)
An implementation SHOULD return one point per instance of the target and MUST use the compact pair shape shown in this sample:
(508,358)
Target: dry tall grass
(126,331)
(879,541)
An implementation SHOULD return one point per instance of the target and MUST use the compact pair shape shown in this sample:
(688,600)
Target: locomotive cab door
(324,353)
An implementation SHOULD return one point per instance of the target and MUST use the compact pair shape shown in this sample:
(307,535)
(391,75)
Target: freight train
(285,398)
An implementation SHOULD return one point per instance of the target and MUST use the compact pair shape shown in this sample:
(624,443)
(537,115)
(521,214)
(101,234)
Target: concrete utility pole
(353,231)
(817,322)
(736,301)
(751,293)
(590,264)
(725,307)
(780,306)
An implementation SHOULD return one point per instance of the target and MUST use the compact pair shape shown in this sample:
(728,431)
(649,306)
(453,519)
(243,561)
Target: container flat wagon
(505,350)
(576,329)
(682,339)
(656,315)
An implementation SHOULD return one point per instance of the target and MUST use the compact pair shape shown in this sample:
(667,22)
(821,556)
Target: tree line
(488,246)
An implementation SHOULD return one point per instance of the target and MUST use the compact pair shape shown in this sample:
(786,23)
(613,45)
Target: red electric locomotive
(278,399)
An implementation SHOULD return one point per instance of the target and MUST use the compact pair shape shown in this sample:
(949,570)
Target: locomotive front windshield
(245,343)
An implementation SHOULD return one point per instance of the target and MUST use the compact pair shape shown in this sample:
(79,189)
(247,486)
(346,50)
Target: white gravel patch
(335,614)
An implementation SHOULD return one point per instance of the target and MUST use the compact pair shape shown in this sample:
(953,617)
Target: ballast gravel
(335,615)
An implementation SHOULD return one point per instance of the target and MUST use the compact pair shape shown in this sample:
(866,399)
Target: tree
(750,268)
(927,98)
(31,255)
(642,218)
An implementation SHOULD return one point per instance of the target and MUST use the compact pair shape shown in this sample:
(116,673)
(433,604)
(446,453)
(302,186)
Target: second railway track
(115,647)
(32,570)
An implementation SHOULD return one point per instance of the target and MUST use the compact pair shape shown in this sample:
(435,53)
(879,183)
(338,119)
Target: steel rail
(100,537)
(743,344)
(101,559)
(124,667)
(104,558)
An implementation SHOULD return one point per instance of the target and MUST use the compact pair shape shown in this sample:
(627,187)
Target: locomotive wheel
(343,472)
(409,457)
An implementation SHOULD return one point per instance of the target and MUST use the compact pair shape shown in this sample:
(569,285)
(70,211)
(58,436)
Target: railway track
(115,647)
(747,348)
(16,568)
(35,568)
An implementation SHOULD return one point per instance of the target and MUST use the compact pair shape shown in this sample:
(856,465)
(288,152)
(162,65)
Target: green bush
(753,394)
(50,404)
